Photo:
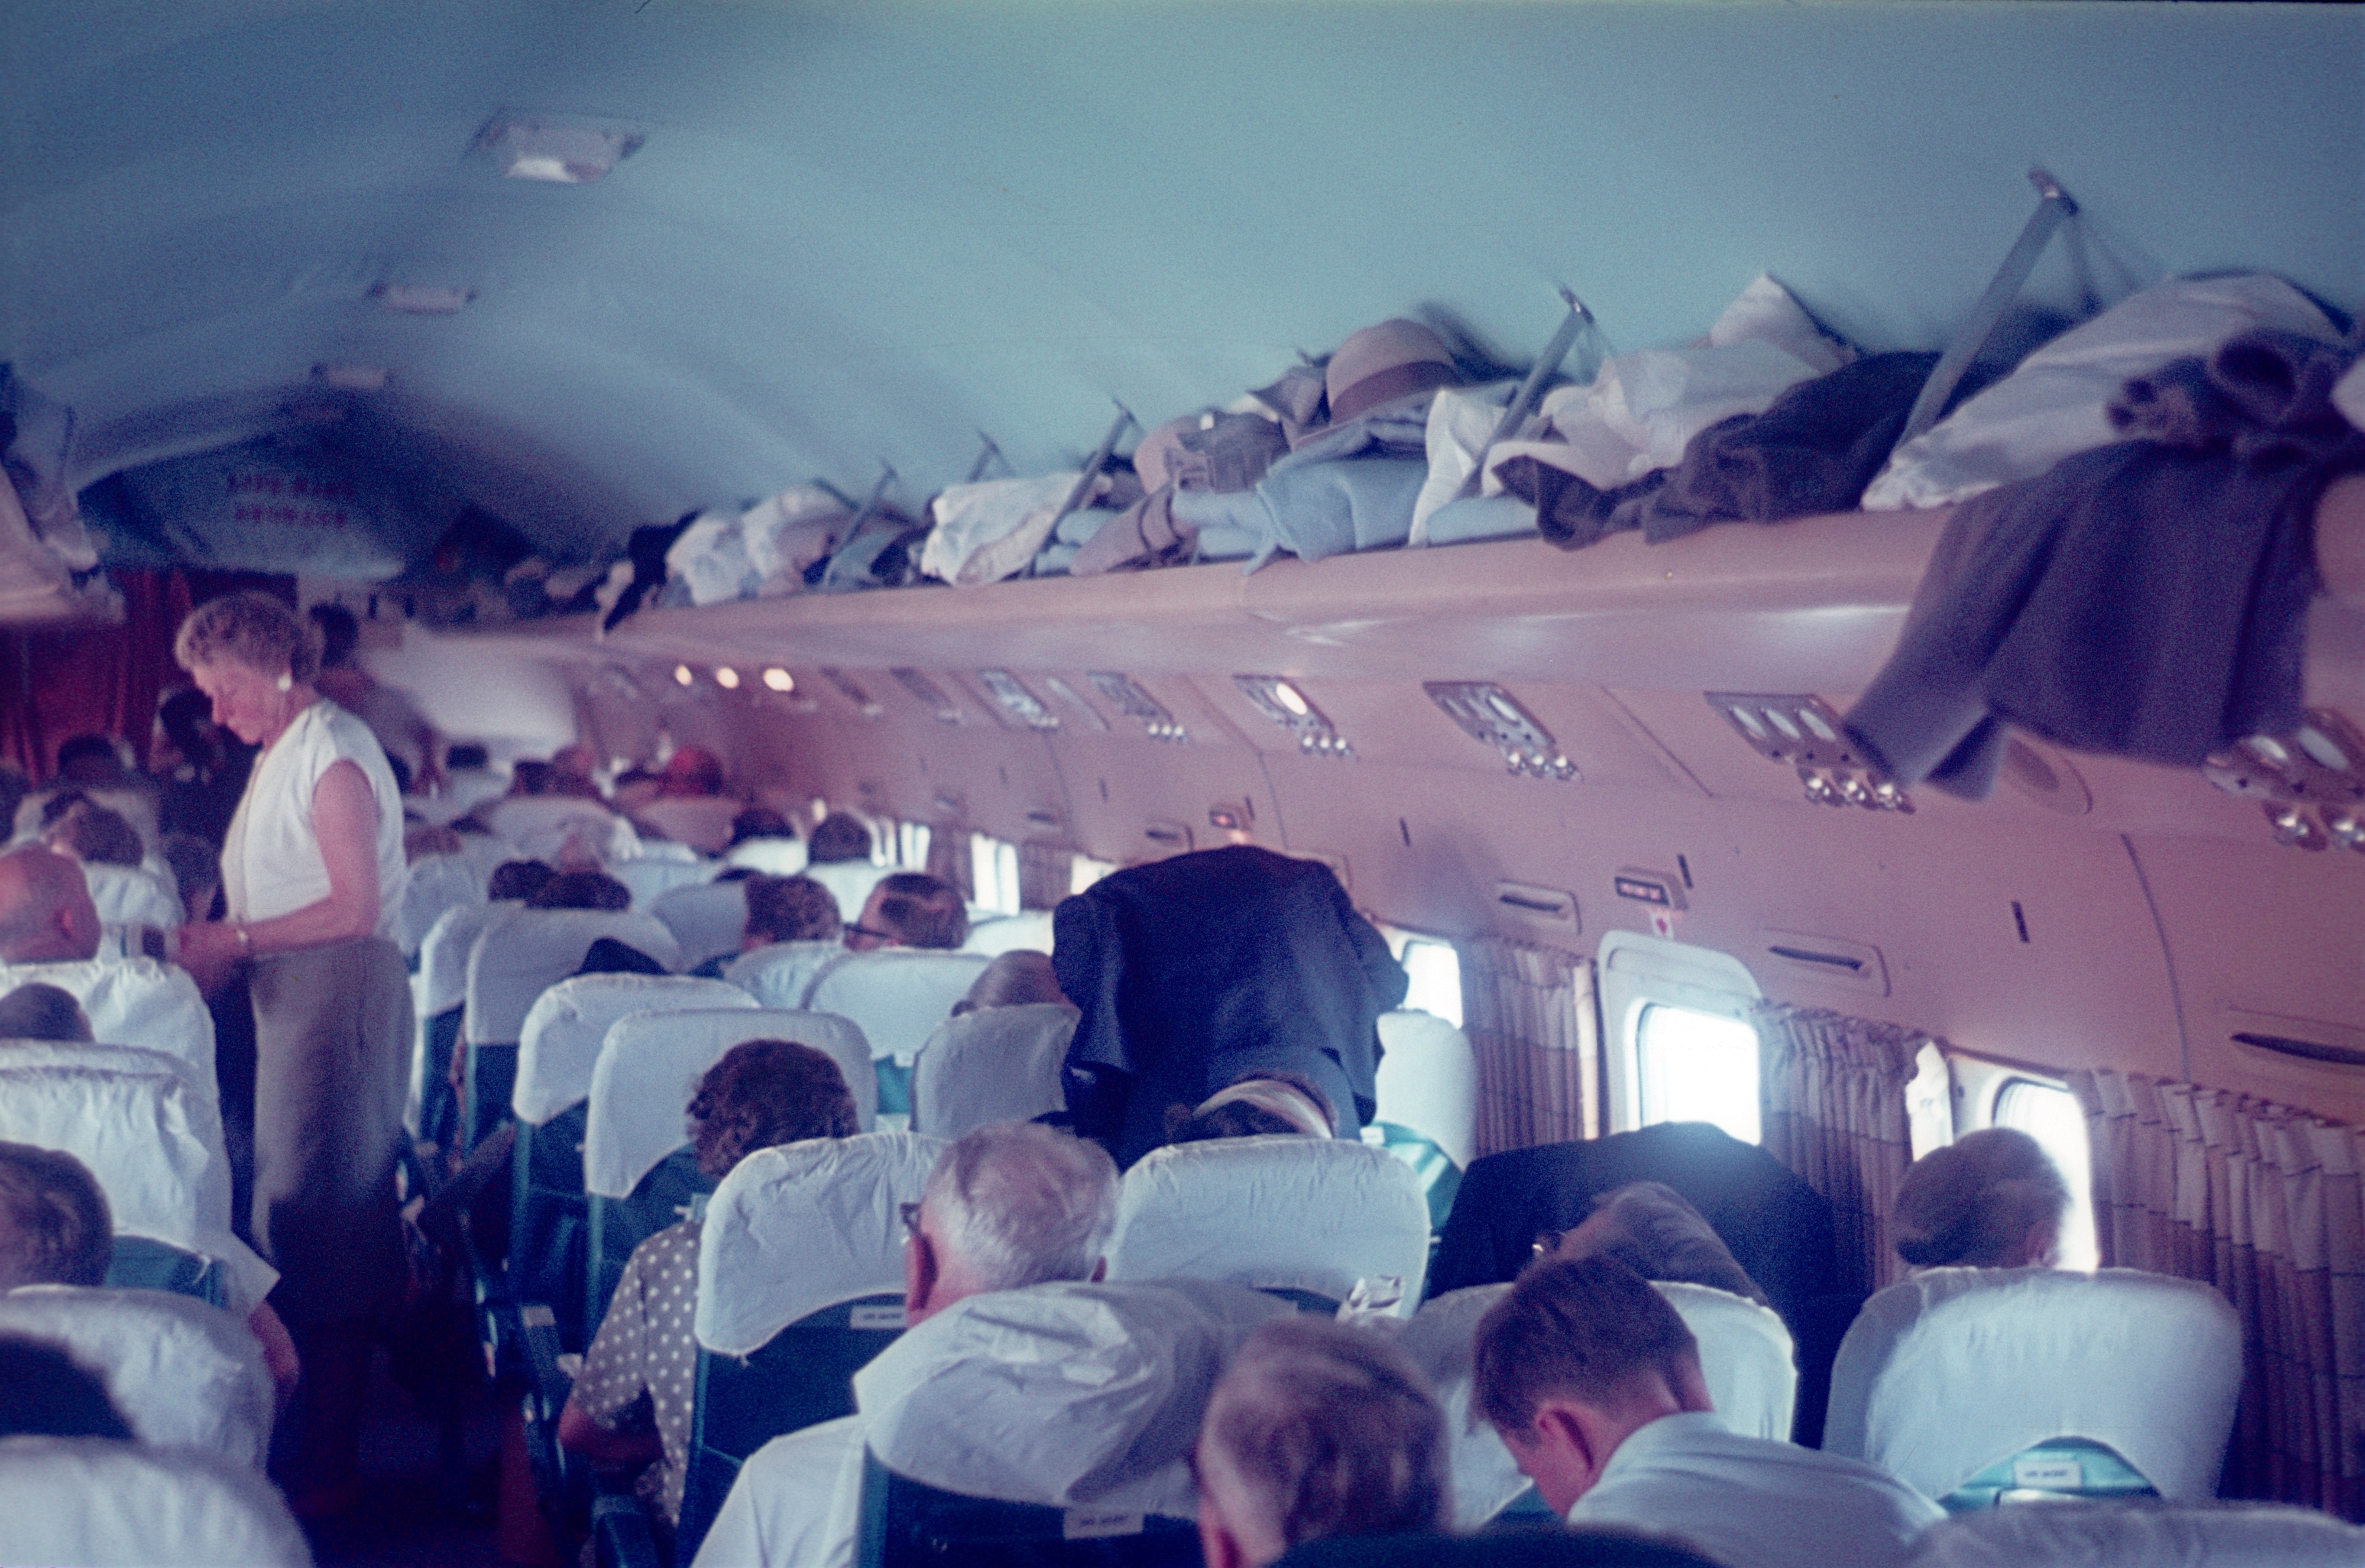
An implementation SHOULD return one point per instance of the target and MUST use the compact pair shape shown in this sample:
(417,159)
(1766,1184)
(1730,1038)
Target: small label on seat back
(875,1317)
(1093,1524)
(2048,1472)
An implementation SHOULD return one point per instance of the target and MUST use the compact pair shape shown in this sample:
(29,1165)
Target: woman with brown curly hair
(630,1405)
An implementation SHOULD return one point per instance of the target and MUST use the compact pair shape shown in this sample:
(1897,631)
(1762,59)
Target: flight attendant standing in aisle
(312,877)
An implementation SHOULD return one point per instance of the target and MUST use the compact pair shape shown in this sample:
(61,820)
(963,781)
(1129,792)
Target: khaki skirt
(332,1032)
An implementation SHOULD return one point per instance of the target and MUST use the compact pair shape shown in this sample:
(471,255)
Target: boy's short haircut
(1582,1328)
(54,1224)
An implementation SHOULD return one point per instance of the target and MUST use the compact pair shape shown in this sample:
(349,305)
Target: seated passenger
(1016,979)
(839,836)
(56,1229)
(1594,1384)
(97,835)
(46,913)
(516,879)
(580,890)
(759,822)
(630,1405)
(789,908)
(1251,1105)
(1007,1205)
(43,1392)
(1989,1200)
(690,773)
(1648,1227)
(910,909)
(1314,1431)
(39,1011)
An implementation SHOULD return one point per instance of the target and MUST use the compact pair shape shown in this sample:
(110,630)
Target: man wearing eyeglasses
(910,909)
(1007,1206)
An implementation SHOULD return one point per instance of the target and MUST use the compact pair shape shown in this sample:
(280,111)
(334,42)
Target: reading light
(1287,706)
(1488,713)
(727,677)
(557,154)
(1021,704)
(1804,732)
(1286,695)
(1135,703)
(684,676)
(351,377)
(929,695)
(779,679)
(852,691)
(423,298)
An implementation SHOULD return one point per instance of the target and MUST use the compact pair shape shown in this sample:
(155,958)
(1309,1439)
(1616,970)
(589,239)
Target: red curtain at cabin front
(104,680)
(1833,1108)
(2265,1203)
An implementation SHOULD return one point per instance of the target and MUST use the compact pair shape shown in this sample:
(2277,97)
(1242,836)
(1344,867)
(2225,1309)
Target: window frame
(1979,1083)
(1400,939)
(1632,971)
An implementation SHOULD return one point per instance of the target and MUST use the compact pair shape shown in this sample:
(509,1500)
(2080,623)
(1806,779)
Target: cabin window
(1434,971)
(2049,1114)
(1697,1066)
(1084,871)
(911,842)
(993,874)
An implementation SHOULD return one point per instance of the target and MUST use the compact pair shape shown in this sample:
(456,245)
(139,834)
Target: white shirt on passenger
(1753,1503)
(271,857)
(795,1503)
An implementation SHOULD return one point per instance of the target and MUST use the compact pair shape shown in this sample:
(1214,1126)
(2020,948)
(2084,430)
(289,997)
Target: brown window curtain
(949,860)
(2263,1201)
(1832,1094)
(1529,1014)
(1044,872)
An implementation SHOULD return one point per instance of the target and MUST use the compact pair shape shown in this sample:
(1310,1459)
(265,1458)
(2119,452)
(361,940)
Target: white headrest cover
(804,1225)
(545,828)
(1428,1081)
(524,952)
(137,1119)
(778,974)
(133,1002)
(183,1374)
(436,883)
(773,856)
(708,919)
(651,877)
(127,895)
(899,995)
(2231,1535)
(443,952)
(1029,931)
(851,881)
(1275,1211)
(86,1503)
(567,1024)
(998,1064)
(1441,1341)
(1060,1395)
(1951,1371)
(649,1067)
(1745,1358)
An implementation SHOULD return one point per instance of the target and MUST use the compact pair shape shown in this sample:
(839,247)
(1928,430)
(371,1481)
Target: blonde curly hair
(254,629)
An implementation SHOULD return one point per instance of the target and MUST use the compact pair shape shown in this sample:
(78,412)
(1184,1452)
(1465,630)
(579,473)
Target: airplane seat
(1777,1228)
(133,1002)
(1561,1546)
(702,822)
(1744,1359)
(548,827)
(1427,1087)
(1307,1217)
(651,877)
(144,1263)
(800,1283)
(127,895)
(182,1374)
(1963,1382)
(438,994)
(997,1064)
(1028,932)
(636,1167)
(899,995)
(520,954)
(708,919)
(772,857)
(1092,1394)
(436,883)
(89,1500)
(560,1043)
(779,974)
(850,881)
(2142,1535)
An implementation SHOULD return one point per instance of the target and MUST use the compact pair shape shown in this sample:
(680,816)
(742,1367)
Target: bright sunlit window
(1697,1066)
(911,841)
(1435,970)
(1084,871)
(2051,1116)
(993,873)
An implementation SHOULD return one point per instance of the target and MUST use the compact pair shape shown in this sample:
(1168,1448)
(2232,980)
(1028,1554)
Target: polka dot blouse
(642,1369)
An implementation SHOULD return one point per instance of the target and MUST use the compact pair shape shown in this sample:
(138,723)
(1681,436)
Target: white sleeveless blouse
(271,857)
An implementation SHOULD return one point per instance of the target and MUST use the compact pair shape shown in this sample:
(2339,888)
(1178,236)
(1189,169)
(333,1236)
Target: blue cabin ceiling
(864,232)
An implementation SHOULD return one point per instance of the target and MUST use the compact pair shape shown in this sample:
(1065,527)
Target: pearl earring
(287,681)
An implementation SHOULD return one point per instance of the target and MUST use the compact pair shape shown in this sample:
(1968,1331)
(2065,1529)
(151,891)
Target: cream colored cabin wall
(2252,930)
